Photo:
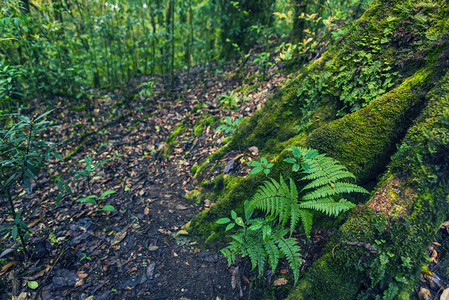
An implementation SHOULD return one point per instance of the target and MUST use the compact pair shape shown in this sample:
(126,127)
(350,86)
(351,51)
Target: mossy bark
(400,219)
(383,81)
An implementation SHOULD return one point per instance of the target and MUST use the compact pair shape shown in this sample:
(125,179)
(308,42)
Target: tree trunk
(298,22)
(370,254)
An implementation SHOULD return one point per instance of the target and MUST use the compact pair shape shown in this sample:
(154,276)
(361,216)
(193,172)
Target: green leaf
(108,207)
(239,221)
(60,184)
(18,216)
(256,170)
(7,182)
(33,285)
(263,160)
(230,226)
(221,127)
(233,214)
(57,155)
(238,121)
(43,115)
(6,228)
(311,154)
(296,152)
(266,232)
(290,160)
(14,232)
(248,212)
(253,163)
(107,193)
(223,221)
(87,200)
(59,198)
(256,226)
(295,168)
(306,167)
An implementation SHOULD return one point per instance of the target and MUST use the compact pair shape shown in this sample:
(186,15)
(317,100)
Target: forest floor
(143,149)
(139,250)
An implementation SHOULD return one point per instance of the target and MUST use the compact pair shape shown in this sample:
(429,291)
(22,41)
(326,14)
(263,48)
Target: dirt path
(139,250)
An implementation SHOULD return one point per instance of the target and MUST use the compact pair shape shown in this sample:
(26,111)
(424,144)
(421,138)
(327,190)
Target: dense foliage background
(52,47)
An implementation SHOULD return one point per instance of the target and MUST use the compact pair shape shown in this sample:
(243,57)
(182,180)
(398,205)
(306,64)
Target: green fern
(263,242)
(279,200)
(291,251)
(322,193)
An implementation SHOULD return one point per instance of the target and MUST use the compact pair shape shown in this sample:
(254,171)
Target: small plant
(23,155)
(84,256)
(91,199)
(299,160)
(263,59)
(90,171)
(229,126)
(147,90)
(262,166)
(264,239)
(261,240)
(229,101)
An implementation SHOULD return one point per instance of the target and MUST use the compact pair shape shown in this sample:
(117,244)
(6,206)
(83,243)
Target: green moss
(180,129)
(198,107)
(194,169)
(78,108)
(234,195)
(194,196)
(363,141)
(198,130)
(203,123)
(246,89)
(252,78)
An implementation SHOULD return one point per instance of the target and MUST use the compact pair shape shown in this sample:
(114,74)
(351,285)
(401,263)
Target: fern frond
(307,219)
(230,255)
(256,254)
(238,238)
(332,176)
(333,189)
(276,198)
(292,252)
(328,206)
(273,254)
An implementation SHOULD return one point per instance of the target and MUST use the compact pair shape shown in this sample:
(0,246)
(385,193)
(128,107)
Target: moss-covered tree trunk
(376,102)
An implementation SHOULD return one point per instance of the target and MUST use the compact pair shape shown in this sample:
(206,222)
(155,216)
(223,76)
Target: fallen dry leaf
(37,275)
(7,266)
(118,237)
(82,274)
(79,282)
(280,281)
(433,255)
